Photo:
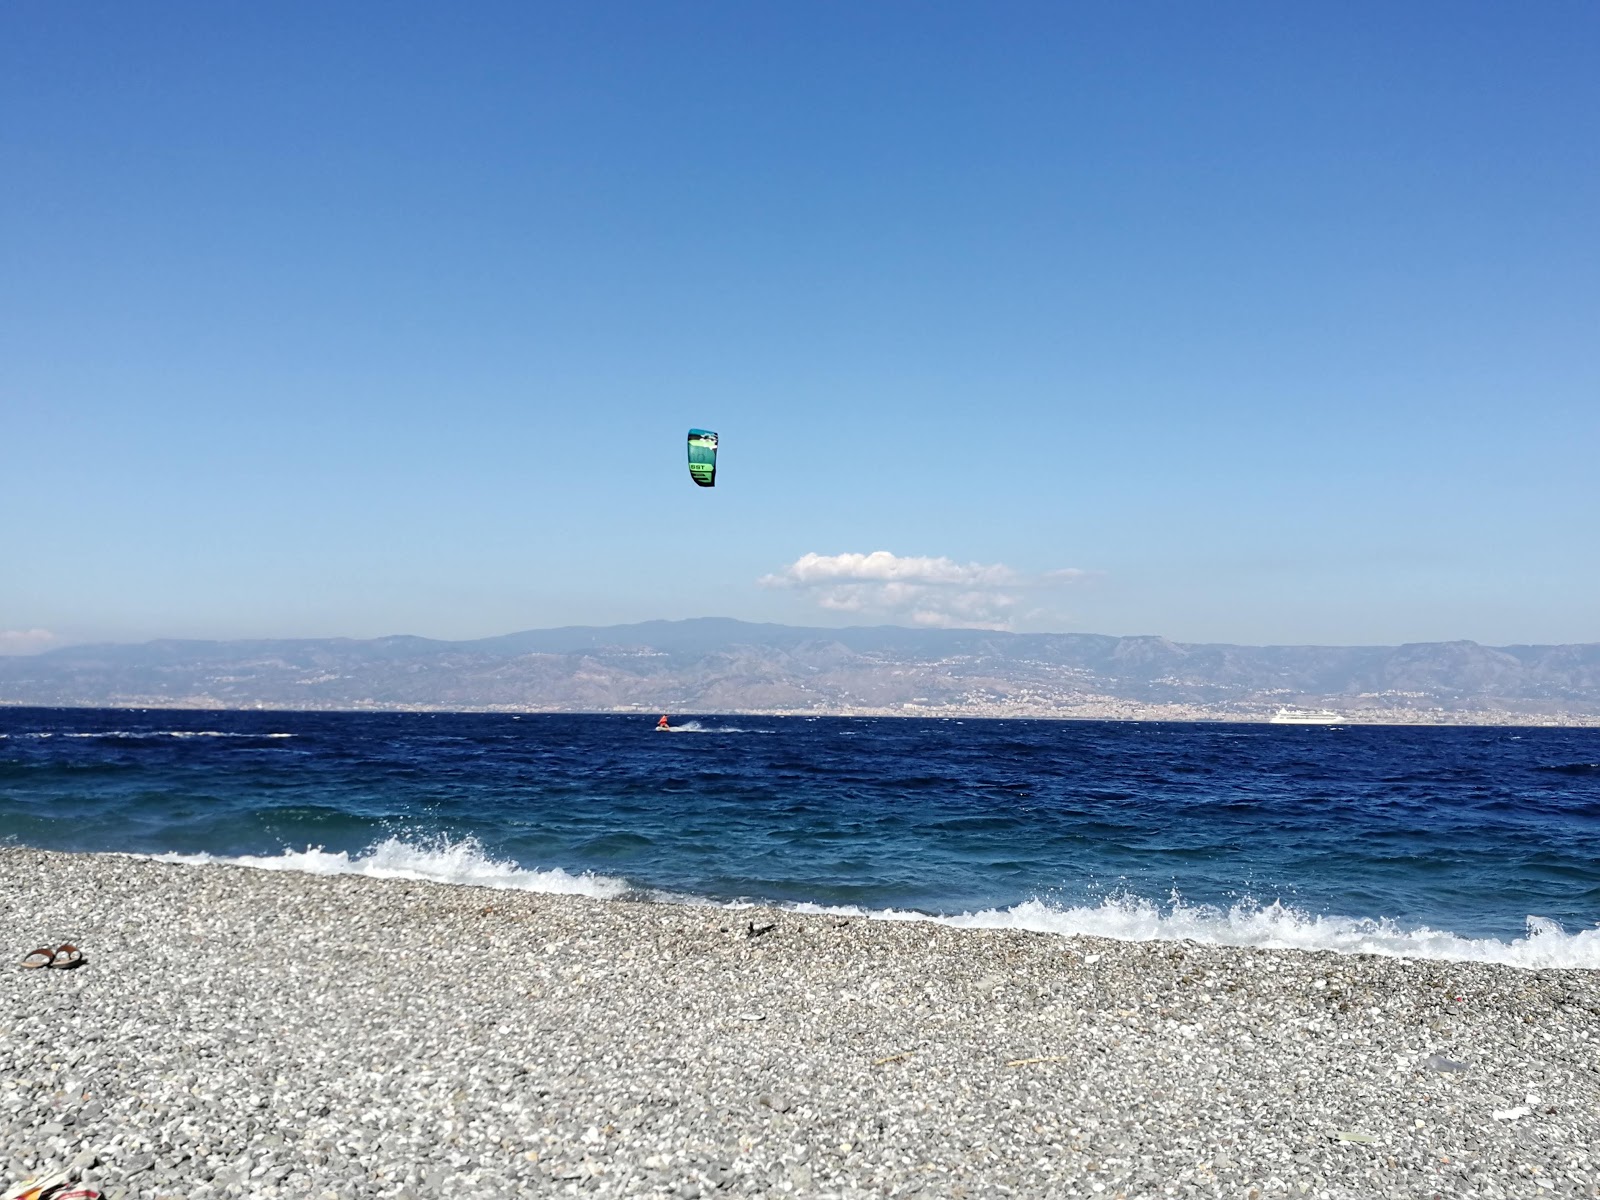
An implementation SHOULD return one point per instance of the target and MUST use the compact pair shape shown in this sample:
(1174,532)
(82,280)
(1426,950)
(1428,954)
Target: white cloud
(881,566)
(928,591)
(25,641)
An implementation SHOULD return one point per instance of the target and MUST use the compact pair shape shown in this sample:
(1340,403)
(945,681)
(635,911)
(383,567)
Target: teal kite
(703,457)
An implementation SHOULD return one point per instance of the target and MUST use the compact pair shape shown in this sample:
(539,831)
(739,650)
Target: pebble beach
(236,1032)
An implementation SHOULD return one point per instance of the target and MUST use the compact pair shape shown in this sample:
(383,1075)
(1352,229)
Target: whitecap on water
(440,860)
(140,734)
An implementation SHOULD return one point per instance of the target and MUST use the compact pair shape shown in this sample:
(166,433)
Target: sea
(1462,843)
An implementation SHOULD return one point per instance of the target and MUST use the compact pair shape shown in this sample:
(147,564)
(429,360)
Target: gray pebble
(261,1034)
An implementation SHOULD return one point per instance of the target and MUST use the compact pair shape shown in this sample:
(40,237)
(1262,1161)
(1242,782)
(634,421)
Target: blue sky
(1250,322)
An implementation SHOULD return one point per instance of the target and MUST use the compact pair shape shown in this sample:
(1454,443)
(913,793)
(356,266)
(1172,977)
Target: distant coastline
(713,665)
(1438,720)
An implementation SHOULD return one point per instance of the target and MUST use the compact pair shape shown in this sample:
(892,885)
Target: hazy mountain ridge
(717,665)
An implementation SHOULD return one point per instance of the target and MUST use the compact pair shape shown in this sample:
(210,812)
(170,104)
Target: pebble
(251,1033)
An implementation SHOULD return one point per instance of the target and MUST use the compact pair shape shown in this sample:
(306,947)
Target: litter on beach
(58,1185)
(37,1188)
(1516,1114)
(35,959)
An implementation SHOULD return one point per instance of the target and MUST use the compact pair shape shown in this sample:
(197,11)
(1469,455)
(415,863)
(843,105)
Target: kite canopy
(703,457)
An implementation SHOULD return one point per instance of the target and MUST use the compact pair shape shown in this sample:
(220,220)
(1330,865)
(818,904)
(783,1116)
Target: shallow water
(1449,842)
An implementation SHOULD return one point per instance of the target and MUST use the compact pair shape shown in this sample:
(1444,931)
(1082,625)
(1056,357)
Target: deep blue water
(1355,837)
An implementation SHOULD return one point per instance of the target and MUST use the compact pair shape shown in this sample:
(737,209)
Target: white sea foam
(177,733)
(140,734)
(1131,919)
(1271,926)
(438,861)
(696,727)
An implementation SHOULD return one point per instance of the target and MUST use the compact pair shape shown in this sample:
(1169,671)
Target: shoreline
(1393,719)
(245,1032)
(1272,926)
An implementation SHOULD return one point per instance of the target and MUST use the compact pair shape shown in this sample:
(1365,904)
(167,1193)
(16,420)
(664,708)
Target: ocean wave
(439,860)
(177,733)
(1274,926)
(143,734)
(1579,768)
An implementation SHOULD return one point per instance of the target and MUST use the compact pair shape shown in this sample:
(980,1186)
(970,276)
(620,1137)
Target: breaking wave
(439,860)
(1275,926)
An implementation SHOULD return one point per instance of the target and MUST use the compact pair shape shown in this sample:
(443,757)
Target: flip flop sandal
(41,957)
(66,957)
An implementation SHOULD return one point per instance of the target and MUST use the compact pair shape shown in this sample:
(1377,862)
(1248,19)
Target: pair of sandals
(64,957)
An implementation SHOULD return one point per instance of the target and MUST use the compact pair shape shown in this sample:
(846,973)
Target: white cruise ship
(1301,716)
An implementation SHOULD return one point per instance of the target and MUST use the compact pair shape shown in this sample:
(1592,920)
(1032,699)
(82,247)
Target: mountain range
(719,665)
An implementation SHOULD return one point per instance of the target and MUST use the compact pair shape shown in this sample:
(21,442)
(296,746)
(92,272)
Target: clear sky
(1249,321)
